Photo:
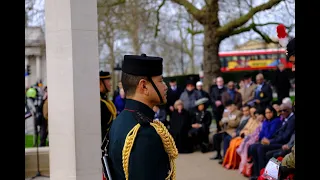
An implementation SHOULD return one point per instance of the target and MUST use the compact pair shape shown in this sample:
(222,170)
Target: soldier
(290,52)
(108,110)
(141,148)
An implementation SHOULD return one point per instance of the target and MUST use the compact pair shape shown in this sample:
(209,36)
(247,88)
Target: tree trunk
(110,44)
(211,61)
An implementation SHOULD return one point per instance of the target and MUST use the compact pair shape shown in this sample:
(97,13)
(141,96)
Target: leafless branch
(228,28)
(158,18)
(191,9)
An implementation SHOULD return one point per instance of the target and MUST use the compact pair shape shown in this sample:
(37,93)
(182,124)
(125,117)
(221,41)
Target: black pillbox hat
(142,65)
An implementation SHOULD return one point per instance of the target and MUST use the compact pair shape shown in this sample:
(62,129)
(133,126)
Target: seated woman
(201,122)
(269,126)
(271,123)
(232,159)
(180,124)
(242,150)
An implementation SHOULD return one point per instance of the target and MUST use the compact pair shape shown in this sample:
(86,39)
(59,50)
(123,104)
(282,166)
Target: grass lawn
(29,141)
(291,97)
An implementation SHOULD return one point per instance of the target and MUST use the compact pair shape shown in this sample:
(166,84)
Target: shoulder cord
(168,143)
(111,108)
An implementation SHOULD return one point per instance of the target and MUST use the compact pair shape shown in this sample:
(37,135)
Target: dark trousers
(226,141)
(283,93)
(258,153)
(217,140)
(218,116)
(276,153)
(199,136)
(43,133)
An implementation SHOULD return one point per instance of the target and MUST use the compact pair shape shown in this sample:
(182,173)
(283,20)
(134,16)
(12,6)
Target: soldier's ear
(142,86)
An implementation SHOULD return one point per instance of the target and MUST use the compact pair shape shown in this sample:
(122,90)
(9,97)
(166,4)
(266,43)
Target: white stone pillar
(38,67)
(27,78)
(73,88)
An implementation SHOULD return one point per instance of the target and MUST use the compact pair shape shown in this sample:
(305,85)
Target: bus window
(269,56)
(282,55)
(242,58)
(254,57)
(224,62)
(262,57)
(274,56)
(228,58)
(234,58)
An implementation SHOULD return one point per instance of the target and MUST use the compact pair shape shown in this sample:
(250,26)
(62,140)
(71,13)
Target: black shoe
(220,161)
(218,157)
(253,178)
(204,148)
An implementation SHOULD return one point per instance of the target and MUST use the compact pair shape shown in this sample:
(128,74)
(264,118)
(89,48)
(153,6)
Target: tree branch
(190,31)
(251,26)
(158,18)
(228,28)
(264,36)
(191,9)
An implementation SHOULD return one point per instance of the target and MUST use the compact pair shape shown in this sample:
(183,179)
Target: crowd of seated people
(251,129)
(262,134)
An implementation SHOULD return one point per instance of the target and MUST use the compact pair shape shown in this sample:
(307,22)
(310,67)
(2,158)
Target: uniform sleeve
(45,109)
(144,158)
(105,119)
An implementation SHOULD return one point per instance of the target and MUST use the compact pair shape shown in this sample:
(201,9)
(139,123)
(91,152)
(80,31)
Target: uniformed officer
(108,110)
(141,148)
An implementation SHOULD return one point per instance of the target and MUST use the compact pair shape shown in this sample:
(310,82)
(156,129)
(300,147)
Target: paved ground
(197,166)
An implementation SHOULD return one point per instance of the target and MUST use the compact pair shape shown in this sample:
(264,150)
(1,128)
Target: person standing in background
(173,94)
(282,82)
(216,98)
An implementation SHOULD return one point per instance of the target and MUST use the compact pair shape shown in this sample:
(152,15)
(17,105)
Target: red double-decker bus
(249,60)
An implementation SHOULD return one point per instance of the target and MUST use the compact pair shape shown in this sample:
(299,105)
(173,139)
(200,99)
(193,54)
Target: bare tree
(215,32)
(34,13)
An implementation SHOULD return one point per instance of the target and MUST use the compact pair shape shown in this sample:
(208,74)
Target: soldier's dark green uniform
(148,159)
(108,110)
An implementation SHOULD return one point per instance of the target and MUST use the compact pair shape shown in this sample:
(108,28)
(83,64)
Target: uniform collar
(139,106)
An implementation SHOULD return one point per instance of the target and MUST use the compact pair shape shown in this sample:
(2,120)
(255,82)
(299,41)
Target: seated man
(283,135)
(284,150)
(229,123)
(288,164)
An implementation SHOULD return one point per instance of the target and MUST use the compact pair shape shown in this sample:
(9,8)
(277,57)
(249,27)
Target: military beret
(142,65)
(104,75)
(291,48)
